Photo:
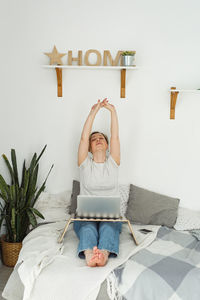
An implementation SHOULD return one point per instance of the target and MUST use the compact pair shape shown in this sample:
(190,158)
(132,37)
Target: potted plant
(128,58)
(17,208)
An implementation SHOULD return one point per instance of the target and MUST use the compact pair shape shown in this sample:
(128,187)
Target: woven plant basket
(10,252)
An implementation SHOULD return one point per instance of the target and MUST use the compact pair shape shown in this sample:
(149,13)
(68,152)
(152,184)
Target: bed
(165,265)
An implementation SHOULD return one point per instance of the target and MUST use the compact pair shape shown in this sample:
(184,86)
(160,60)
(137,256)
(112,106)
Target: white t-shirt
(99,179)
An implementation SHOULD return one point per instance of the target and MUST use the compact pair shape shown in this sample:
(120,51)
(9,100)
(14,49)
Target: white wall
(157,153)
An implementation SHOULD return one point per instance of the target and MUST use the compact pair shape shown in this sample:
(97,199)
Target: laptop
(98,206)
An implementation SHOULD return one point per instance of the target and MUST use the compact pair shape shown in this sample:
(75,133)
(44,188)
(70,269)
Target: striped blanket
(168,269)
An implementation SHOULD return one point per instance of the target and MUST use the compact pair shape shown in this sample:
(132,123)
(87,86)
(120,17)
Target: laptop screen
(98,206)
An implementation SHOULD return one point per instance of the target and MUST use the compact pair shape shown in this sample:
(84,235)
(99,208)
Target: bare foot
(96,250)
(102,258)
(90,258)
(96,257)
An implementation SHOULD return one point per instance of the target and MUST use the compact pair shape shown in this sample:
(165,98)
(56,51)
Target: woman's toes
(95,249)
(91,262)
(102,259)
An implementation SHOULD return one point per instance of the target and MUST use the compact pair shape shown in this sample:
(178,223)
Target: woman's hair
(105,136)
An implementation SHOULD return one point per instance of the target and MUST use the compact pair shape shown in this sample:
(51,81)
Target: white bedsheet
(50,271)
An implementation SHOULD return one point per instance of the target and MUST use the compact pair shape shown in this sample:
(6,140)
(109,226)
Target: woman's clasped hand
(104,103)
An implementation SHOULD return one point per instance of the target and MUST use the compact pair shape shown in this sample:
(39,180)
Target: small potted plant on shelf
(17,205)
(128,58)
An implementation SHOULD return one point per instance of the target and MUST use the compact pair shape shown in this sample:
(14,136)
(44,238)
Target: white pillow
(54,207)
(54,200)
(187,219)
(124,194)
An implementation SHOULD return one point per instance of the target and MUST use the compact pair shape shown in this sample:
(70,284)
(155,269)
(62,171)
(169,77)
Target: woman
(98,176)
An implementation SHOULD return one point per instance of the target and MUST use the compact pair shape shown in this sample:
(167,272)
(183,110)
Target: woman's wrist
(92,113)
(113,111)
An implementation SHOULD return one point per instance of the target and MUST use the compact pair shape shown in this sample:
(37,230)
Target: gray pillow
(146,207)
(75,193)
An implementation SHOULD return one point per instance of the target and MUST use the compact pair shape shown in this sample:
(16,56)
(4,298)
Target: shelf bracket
(59,81)
(123,83)
(173,102)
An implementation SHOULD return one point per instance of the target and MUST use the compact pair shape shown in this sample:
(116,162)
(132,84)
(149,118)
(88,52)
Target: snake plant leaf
(32,218)
(4,189)
(13,224)
(1,206)
(36,212)
(9,228)
(48,173)
(32,185)
(1,219)
(18,193)
(33,164)
(15,175)
(1,196)
(18,227)
(12,194)
(23,173)
(9,167)
(14,164)
(2,213)
(24,224)
(41,154)
(34,177)
(26,182)
(42,188)
(24,190)
(31,177)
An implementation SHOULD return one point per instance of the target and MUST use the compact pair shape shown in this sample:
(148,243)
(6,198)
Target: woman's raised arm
(114,139)
(84,142)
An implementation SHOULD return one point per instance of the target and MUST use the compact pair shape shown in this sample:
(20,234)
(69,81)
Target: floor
(4,275)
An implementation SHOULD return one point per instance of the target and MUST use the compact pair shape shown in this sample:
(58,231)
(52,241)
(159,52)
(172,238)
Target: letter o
(86,58)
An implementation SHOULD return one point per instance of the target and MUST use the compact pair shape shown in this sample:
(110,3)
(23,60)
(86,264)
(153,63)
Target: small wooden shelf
(122,68)
(174,95)
(90,67)
(185,91)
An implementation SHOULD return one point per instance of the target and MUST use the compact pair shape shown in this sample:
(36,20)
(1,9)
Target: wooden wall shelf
(122,68)
(174,95)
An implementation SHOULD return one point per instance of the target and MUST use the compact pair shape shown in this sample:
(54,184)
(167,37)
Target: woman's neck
(99,156)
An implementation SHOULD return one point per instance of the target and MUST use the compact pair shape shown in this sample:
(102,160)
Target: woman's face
(98,142)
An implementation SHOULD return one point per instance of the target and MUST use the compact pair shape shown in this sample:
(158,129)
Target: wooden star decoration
(55,56)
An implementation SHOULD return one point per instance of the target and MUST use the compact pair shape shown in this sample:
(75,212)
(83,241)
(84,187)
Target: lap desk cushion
(146,207)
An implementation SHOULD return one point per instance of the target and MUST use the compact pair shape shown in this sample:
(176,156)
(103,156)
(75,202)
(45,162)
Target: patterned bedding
(167,269)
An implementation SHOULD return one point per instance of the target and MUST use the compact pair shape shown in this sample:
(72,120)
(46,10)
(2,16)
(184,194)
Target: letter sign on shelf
(98,62)
(107,55)
(78,59)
